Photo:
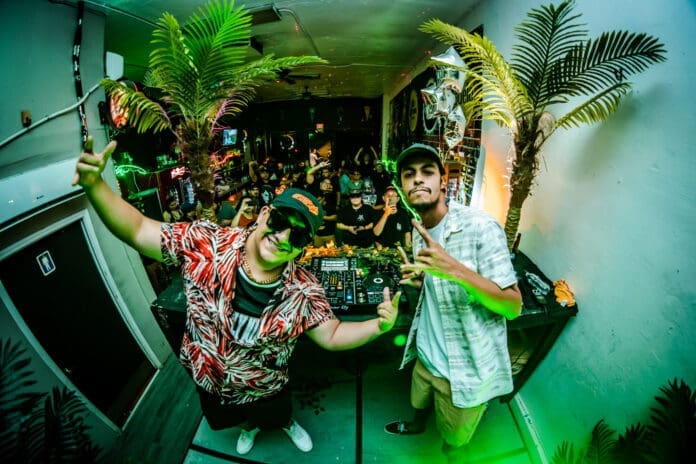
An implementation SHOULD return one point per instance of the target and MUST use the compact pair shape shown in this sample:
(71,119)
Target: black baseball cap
(303,203)
(419,149)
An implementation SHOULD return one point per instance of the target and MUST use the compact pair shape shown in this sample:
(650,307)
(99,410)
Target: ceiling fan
(291,78)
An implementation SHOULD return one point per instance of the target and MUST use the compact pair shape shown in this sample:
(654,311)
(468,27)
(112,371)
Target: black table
(533,333)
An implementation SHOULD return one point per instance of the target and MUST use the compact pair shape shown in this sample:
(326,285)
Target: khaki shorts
(456,425)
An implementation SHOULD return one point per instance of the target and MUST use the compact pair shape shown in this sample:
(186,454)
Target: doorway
(59,294)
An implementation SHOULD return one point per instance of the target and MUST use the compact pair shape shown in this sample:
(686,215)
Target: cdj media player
(351,286)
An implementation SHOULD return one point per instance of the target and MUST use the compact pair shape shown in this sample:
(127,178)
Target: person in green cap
(247,301)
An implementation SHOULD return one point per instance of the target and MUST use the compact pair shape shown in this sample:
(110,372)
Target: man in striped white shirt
(468,289)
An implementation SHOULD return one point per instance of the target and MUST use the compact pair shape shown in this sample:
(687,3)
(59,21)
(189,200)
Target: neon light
(390,167)
(124,169)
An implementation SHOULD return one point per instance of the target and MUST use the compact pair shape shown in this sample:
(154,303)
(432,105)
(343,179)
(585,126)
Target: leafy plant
(668,438)
(39,427)
(196,76)
(555,63)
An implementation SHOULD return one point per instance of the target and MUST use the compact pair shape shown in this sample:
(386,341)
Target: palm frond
(565,454)
(144,113)
(15,378)
(599,449)
(217,35)
(16,401)
(199,70)
(546,37)
(597,64)
(553,63)
(632,446)
(673,424)
(177,71)
(597,108)
(56,432)
(490,80)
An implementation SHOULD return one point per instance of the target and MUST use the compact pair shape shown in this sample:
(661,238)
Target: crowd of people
(248,300)
(361,206)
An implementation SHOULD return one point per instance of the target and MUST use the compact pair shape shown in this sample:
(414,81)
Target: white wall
(613,213)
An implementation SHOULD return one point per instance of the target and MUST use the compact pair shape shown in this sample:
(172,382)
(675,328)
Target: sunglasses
(278,222)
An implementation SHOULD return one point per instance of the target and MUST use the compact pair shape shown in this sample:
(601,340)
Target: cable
(104,6)
(48,118)
(77,76)
(304,31)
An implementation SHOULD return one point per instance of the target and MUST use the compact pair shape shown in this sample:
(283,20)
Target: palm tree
(197,75)
(554,64)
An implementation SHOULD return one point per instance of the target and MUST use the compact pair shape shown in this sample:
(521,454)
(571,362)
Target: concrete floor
(344,400)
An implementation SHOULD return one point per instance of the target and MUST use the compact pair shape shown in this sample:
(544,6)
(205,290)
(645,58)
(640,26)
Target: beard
(425,206)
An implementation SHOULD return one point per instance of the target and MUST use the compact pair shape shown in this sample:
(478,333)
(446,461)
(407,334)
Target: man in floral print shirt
(247,301)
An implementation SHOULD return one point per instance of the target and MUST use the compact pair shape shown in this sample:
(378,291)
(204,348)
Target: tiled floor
(343,400)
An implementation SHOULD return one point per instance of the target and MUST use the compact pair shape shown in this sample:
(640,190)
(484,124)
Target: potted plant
(39,427)
(196,76)
(554,63)
(668,437)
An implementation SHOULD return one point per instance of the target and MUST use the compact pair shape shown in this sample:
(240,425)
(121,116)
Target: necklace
(250,274)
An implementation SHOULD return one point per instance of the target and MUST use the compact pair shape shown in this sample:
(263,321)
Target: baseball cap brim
(303,203)
(419,149)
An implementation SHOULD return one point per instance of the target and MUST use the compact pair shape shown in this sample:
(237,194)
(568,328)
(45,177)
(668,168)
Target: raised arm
(309,179)
(252,171)
(387,211)
(119,216)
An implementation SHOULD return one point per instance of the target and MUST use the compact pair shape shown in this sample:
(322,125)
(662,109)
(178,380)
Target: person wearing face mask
(248,301)
(468,289)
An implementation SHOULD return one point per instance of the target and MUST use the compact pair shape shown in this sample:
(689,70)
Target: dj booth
(354,280)
(353,283)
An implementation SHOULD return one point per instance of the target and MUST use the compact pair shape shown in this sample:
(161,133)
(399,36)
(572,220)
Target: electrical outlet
(26,118)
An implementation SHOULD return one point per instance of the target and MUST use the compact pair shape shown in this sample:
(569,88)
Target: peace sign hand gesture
(433,259)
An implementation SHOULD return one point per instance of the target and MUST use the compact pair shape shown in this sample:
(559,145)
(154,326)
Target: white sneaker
(246,440)
(299,437)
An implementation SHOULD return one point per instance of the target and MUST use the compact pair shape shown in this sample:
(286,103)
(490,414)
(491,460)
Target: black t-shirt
(380,181)
(251,298)
(395,229)
(360,217)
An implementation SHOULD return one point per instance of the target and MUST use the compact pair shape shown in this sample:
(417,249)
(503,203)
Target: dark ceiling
(369,44)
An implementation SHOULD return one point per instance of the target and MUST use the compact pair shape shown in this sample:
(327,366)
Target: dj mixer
(354,286)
